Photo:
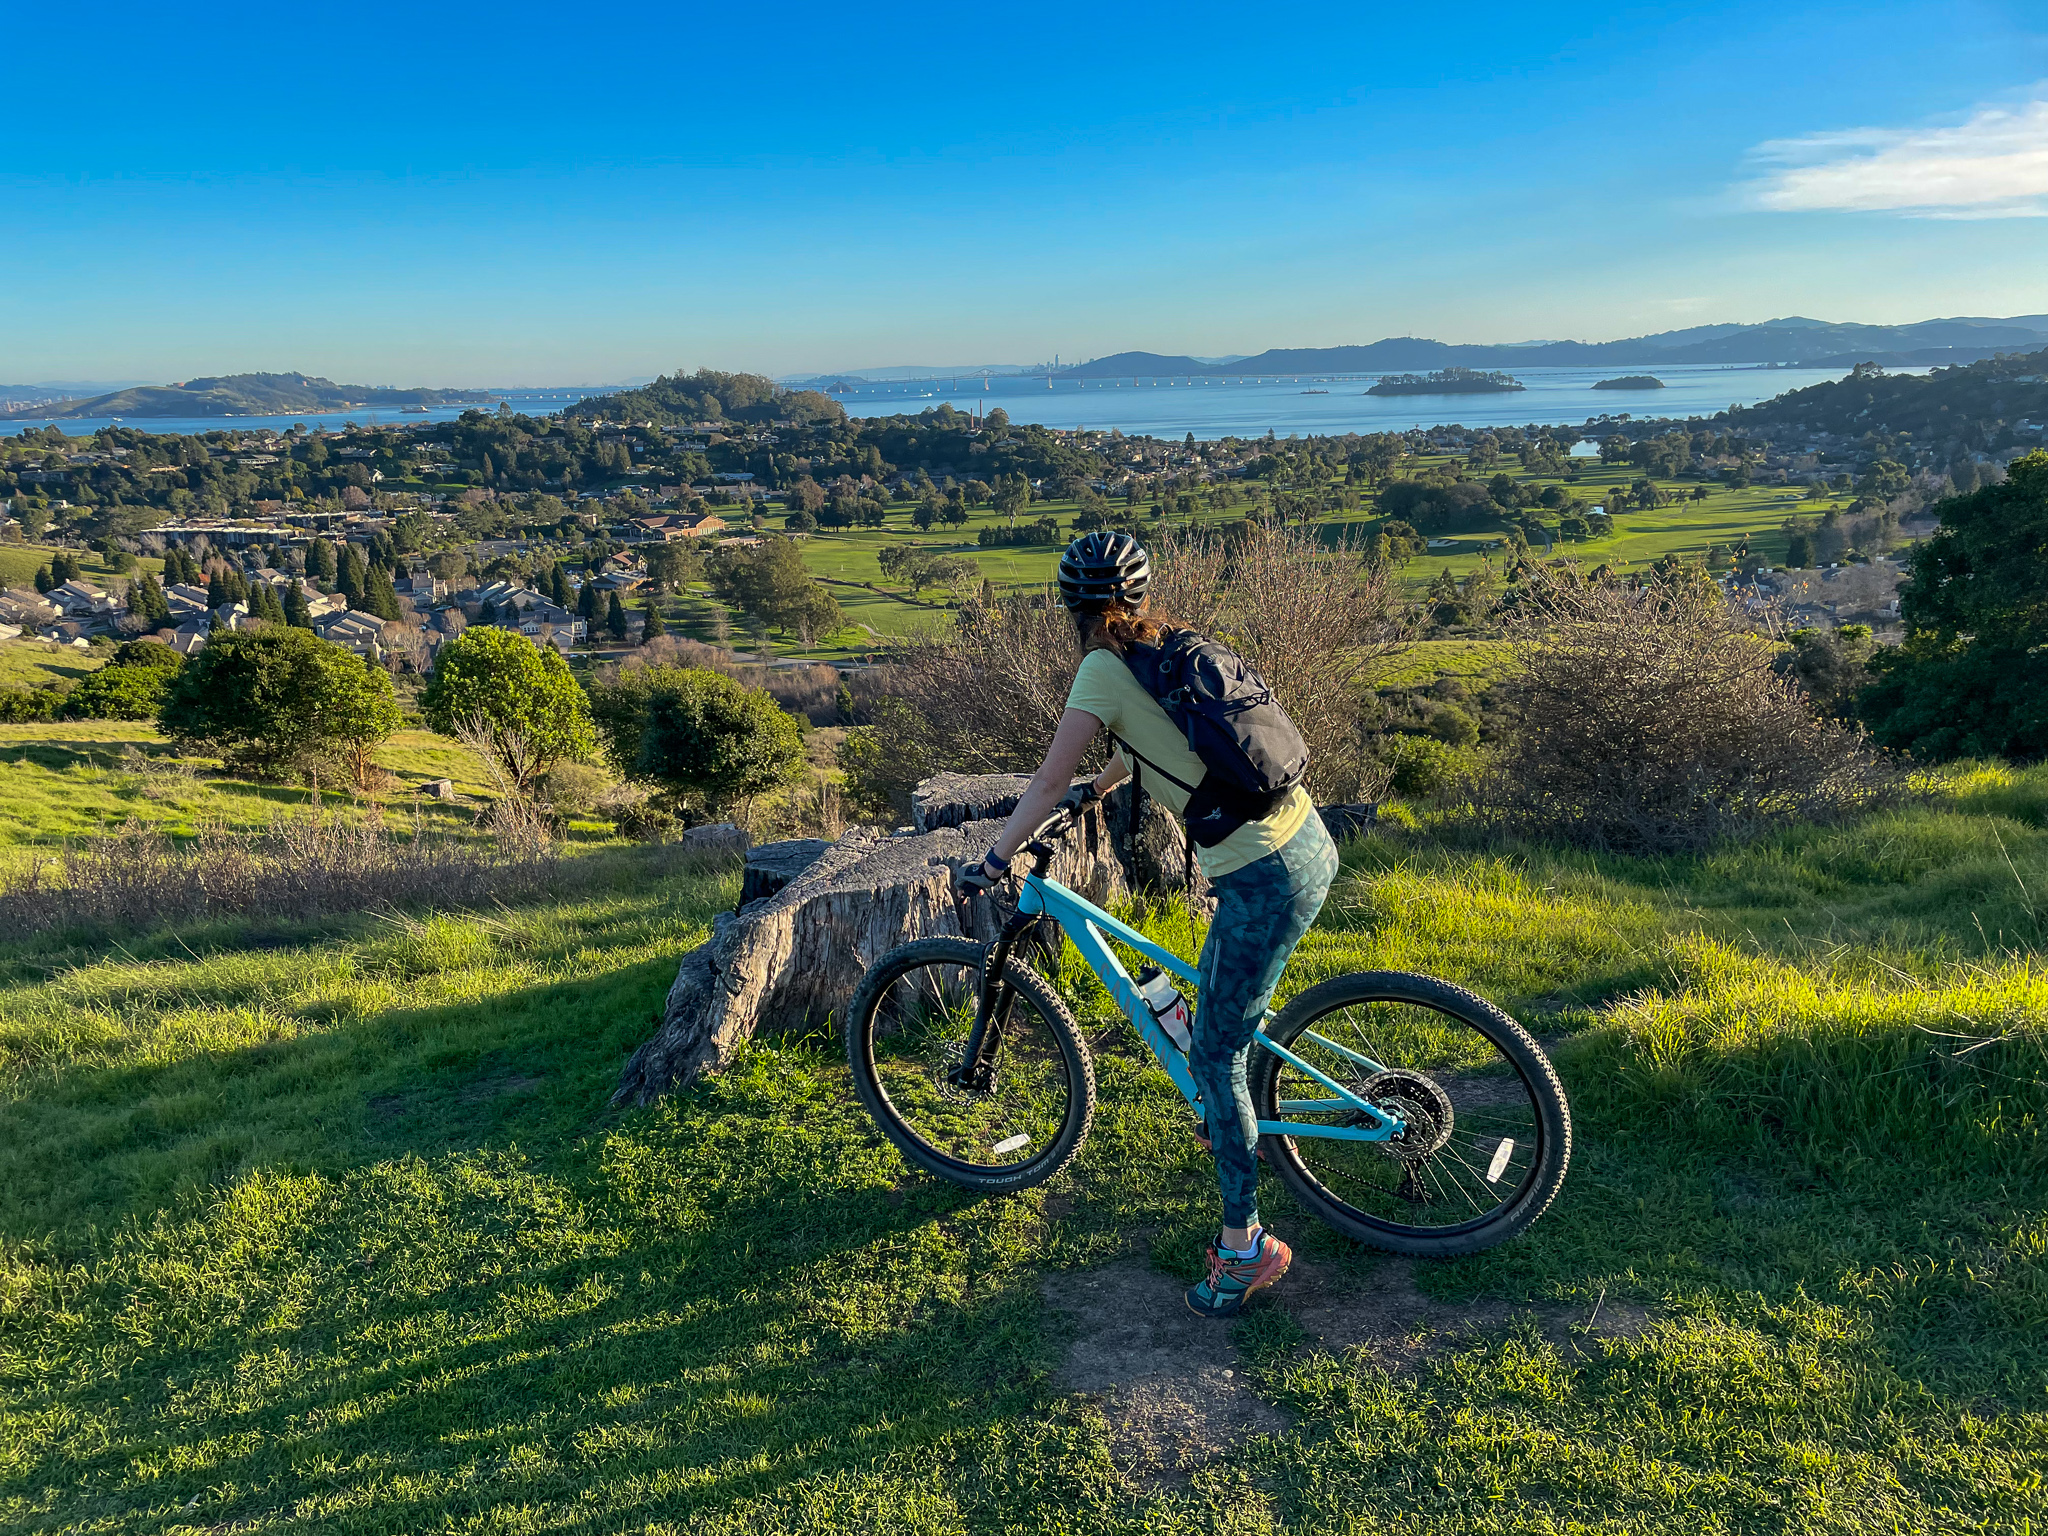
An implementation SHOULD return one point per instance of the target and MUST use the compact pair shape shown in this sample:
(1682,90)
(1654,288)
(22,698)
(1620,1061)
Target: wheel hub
(1421,1105)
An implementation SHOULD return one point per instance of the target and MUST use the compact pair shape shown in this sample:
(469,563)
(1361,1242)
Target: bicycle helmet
(1099,569)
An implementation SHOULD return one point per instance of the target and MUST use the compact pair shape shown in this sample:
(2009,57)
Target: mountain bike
(1403,1111)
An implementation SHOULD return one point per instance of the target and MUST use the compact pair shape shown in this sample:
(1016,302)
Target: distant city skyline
(478,200)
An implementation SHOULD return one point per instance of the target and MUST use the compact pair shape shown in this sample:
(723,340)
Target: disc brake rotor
(1422,1106)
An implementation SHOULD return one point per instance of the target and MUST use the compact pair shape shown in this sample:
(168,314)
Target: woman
(1269,878)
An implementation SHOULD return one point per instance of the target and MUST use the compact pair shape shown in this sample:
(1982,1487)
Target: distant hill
(1794,339)
(1631,381)
(1975,404)
(259,394)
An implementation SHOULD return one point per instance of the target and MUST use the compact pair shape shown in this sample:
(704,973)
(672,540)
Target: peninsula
(259,394)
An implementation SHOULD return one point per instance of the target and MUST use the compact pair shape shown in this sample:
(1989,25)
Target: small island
(1447,381)
(1631,381)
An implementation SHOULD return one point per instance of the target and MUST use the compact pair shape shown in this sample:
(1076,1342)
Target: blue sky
(505,194)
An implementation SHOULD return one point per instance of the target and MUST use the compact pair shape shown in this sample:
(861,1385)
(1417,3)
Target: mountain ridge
(1793,339)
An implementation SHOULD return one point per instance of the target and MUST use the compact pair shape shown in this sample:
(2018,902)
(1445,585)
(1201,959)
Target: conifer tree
(263,604)
(653,624)
(615,618)
(379,596)
(586,602)
(320,562)
(45,579)
(355,577)
(296,613)
(217,591)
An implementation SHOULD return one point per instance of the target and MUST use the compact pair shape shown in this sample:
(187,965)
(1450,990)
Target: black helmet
(1101,568)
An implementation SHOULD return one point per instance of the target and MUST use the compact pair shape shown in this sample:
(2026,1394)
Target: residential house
(359,632)
(27,607)
(83,600)
(184,599)
(421,587)
(537,619)
(694,525)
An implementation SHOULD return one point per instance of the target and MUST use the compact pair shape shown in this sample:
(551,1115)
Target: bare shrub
(1650,720)
(987,697)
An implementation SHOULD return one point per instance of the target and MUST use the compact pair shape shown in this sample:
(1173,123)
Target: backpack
(1252,751)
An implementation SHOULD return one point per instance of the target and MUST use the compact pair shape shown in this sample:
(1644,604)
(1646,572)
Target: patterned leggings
(1262,910)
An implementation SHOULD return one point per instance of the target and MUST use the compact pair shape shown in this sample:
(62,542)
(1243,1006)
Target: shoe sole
(1273,1279)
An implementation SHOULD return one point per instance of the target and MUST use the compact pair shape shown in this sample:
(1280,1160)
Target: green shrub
(696,734)
(131,686)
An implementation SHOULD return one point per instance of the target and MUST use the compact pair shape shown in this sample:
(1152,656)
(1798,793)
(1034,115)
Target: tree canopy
(522,695)
(1971,679)
(272,698)
(696,734)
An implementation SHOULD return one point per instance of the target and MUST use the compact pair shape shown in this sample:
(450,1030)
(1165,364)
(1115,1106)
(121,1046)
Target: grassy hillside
(69,779)
(330,1228)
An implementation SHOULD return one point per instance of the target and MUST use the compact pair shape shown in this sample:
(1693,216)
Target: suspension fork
(992,1008)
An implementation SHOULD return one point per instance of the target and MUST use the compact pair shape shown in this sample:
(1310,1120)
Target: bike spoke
(1431,1059)
(1009,1118)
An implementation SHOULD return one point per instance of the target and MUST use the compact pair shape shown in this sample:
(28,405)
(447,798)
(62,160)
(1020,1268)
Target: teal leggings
(1262,910)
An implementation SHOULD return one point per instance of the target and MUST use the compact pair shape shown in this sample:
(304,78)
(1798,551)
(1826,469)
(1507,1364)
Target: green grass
(37,663)
(70,779)
(1423,661)
(20,562)
(1687,528)
(329,1227)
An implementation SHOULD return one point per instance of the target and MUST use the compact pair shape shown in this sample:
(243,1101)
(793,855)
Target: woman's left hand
(976,882)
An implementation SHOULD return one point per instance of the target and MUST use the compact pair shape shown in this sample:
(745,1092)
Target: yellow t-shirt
(1105,688)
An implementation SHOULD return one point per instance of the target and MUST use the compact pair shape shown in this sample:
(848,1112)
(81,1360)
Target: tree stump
(790,958)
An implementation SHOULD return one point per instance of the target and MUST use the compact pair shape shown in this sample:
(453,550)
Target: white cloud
(1993,166)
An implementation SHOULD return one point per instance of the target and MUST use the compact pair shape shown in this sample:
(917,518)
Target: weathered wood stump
(790,957)
(1353,820)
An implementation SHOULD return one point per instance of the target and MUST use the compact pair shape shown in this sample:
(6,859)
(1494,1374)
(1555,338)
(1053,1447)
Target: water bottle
(1167,1005)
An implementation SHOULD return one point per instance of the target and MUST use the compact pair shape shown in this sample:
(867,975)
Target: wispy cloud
(1992,166)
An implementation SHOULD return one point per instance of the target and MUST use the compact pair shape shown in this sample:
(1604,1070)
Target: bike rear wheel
(906,1033)
(1488,1130)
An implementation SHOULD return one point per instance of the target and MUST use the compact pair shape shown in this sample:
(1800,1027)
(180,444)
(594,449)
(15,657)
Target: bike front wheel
(906,1037)
(1487,1130)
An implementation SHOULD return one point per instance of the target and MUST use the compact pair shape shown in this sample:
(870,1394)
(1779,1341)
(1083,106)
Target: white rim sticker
(1011,1145)
(1501,1154)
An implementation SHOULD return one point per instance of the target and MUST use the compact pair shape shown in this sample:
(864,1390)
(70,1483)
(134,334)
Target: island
(1631,381)
(1447,381)
(260,394)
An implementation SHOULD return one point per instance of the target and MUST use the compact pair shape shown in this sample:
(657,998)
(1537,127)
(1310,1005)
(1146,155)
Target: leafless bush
(1650,721)
(301,866)
(986,698)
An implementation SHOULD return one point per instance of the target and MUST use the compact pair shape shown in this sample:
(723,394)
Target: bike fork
(977,1065)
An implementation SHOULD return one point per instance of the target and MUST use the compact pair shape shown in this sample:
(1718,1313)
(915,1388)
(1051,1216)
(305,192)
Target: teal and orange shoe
(1233,1277)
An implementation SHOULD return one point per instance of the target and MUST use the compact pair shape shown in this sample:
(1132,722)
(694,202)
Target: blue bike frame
(1086,924)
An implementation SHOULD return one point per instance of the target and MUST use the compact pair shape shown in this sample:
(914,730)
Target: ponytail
(1120,628)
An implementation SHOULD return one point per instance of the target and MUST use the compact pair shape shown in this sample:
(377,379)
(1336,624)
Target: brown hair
(1121,627)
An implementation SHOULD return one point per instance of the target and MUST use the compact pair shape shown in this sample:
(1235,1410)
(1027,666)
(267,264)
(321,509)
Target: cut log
(1344,821)
(790,960)
(954,799)
(773,865)
(1152,846)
